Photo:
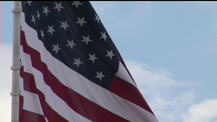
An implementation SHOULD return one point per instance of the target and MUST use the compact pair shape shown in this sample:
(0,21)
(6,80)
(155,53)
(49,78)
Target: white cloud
(146,76)
(170,100)
(164,95)
(6,82)
(173,102)
(169,108)
(205,111)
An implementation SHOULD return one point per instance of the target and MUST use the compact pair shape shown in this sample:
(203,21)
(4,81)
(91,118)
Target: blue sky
(170,49)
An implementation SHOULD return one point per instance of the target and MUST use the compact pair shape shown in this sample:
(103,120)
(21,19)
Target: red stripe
(29,81)
(31,117)
(20,108)
(78,103)
(129,92)
(27,116)
(29,85)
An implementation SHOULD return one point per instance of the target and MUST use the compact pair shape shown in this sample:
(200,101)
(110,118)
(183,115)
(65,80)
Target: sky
(170,49)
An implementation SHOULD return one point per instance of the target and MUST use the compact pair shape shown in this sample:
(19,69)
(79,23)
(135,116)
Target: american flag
(72,71)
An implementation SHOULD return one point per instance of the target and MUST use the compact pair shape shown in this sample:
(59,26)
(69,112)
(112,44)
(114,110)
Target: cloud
(169,99)
(171,107)
(6,82)
(163,93)
(146,76)
(205,111)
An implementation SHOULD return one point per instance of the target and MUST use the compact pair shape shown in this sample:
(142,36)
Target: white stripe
(31,100)
(86,88)
(56,103)
(123,74)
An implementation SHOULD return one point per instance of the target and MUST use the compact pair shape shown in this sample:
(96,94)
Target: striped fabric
(72,71)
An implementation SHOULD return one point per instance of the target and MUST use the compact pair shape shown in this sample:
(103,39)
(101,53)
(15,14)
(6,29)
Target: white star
(86,39)
(92,57)
(99,75)
(56,48)
(50,29)
(29,2)
(45,10)
(64,25)
(58,6)
(103,36)
(42,33)
(71,44)
(38,15)
(110,54)
(33,19)
(81,21)
(97,18)
(77,62)
(76,3)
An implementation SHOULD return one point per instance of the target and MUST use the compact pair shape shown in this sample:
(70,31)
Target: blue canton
(73,33)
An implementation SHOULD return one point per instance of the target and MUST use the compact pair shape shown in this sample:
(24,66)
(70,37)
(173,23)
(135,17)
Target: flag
(71,69)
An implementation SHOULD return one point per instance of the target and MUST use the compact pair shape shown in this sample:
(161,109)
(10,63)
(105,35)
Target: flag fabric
(71,69)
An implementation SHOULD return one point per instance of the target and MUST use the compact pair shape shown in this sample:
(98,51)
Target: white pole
(16,62)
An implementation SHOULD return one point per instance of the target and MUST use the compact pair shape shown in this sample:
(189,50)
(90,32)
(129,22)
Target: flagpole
(16,62)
